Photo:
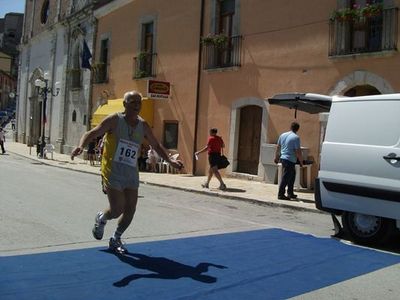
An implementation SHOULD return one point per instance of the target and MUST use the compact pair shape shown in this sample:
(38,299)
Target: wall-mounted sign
(158,89)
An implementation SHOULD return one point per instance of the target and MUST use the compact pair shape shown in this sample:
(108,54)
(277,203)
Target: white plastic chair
(49,148)
(168,167)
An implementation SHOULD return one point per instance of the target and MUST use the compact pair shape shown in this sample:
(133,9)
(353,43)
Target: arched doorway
(362,78)
(362,90)
(249,139)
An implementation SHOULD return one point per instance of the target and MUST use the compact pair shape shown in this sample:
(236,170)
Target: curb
(232,197)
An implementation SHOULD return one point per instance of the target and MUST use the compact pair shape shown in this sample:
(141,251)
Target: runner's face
(134,105)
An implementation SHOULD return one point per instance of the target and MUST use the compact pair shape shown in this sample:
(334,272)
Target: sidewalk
(239,189)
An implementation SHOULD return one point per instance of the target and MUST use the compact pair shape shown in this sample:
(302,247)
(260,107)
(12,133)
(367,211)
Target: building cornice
(110,7)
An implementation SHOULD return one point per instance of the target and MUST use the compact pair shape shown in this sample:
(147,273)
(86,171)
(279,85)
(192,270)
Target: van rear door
(307,102)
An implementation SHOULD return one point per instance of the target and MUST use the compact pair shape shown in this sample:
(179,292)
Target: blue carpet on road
(260,264)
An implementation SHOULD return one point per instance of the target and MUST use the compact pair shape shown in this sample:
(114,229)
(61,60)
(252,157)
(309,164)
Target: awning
(116,105)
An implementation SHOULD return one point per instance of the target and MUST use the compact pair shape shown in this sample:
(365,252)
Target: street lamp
(43,88)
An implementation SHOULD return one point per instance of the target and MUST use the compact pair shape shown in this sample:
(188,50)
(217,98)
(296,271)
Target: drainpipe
(196,120)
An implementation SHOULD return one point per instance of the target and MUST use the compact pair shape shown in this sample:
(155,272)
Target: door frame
(235,127)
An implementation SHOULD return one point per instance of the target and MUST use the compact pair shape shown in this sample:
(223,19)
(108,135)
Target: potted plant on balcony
(99,71)
(357,13)
(141,74)
(142,55)
(346,14)
(217,40)
(372,10)
(98,66)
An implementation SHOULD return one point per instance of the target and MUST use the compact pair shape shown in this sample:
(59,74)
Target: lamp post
(43,88)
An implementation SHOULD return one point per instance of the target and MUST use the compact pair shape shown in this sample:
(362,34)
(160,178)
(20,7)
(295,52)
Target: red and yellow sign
(158,89)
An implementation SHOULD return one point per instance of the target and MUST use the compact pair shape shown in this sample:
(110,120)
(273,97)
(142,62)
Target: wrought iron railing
(99,73)
(78,5)
(144,65)
(75,78)
(362,35)
(222,55)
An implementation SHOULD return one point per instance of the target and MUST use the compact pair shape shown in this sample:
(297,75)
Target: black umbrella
(310,103)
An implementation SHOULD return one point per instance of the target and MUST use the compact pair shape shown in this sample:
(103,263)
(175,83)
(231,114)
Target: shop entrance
(249,139)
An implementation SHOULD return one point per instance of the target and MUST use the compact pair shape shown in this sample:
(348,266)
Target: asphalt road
(44,207)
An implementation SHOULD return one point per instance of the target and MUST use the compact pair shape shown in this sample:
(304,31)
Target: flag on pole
(86,56)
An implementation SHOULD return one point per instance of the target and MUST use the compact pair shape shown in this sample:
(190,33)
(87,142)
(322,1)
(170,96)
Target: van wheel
(366,229)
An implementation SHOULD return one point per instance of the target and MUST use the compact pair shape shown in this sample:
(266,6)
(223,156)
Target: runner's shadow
(163,268)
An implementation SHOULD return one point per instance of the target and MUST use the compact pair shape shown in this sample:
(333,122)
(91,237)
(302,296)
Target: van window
(364,122)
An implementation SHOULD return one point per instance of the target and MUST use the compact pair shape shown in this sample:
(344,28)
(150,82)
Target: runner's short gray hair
(132,96)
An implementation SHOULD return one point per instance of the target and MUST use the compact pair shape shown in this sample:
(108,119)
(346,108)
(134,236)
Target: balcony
(364,35)
(75,78)
(99,72)
(77,5)
(222,53)
(144,65)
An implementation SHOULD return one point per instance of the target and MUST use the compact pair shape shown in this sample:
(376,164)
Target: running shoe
(98,228)
(117,246)
(205,185)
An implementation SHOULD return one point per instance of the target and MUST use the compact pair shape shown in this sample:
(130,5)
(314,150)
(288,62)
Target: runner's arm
(107,125)
(177,164)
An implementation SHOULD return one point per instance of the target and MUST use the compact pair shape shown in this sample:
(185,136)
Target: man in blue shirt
(288,153)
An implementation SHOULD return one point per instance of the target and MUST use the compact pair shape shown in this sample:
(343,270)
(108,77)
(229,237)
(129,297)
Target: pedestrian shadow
(234,190)
(163,268)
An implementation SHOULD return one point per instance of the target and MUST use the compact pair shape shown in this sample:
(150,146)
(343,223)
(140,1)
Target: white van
(359,175)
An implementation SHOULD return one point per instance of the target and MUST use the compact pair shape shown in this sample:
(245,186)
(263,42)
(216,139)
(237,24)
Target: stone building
(57,36)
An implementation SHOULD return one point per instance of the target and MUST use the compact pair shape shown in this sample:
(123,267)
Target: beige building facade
(223,59)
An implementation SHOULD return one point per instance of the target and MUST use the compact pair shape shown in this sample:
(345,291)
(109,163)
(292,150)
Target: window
(101,68)
(147,37)
(222,48)
(144,62)
(360,26)
(11,34)
(226,11)
(366,33)
(74,116)
(170,140)
(377,116)
(44,15)
(84,119)
(75,71)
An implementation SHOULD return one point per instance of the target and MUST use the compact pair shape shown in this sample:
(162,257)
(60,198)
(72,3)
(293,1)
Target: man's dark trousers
(288,177)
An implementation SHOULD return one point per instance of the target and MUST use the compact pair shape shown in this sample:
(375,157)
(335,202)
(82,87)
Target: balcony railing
(225,55)
(363,35)
(99,72)
(75,77)
(144,65)
(78,5)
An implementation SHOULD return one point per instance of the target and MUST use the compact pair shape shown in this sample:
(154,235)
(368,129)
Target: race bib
(127,153)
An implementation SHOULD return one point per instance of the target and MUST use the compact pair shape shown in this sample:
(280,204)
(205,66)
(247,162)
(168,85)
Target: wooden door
(249,139)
